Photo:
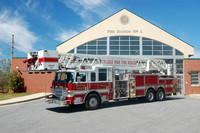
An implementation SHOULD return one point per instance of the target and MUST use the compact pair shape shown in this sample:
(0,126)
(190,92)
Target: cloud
(87,9)
(33,8)
(64,35)
(13,24)
(31,5)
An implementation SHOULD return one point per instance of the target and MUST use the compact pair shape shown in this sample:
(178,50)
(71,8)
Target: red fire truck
(92,80)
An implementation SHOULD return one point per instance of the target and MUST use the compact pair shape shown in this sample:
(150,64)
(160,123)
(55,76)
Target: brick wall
(191,65)
(32,82)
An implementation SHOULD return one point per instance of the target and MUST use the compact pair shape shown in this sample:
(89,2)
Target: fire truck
(95,79)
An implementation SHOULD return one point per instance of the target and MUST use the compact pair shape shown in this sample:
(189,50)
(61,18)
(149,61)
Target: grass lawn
(13,95)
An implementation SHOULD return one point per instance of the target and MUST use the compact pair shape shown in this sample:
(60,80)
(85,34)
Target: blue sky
(43,24)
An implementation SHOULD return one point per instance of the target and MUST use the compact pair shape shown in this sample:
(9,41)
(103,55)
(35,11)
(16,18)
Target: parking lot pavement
(176,114)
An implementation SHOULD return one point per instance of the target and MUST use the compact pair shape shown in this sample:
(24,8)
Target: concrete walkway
(194,95)
(23,99)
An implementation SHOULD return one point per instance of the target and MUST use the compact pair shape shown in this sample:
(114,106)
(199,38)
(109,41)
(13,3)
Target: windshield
(67,77)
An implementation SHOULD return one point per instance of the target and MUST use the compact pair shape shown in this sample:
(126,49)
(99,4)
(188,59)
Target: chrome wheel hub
(151,96)
(93,102)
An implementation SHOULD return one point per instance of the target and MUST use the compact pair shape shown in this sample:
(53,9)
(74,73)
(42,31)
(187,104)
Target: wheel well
(92,92)
(150,88)
(161,88)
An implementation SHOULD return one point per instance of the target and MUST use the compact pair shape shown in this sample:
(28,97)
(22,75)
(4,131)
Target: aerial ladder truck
(95,79)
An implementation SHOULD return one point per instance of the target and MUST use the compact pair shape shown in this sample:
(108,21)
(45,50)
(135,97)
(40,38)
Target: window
(179,66)
(157,52)
(82,76)
(102,74)
(147,52)
(64,77)
(134,43)
(134,38)
(124,45)
(93,76)
(194,78)
(72,51)
(178,52)
(114,38)
(153,47)
(95,47)
(124,37)
(124,52)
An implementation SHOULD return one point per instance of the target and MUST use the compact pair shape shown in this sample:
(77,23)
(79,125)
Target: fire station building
(126,34)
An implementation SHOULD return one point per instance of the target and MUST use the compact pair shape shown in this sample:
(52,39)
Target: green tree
(15,82)
(5,65)
(4,72)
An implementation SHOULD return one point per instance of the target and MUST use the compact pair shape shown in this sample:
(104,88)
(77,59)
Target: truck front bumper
(55,101)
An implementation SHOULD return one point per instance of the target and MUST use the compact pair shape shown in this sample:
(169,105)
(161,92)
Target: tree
(5,65)
(4,71)
(15,82)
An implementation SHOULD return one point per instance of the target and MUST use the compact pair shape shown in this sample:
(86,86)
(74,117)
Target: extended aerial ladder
(49,60)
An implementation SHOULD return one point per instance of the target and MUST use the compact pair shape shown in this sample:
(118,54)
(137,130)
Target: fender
(89,92)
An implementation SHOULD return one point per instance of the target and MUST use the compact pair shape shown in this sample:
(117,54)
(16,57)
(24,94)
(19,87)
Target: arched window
(126,45)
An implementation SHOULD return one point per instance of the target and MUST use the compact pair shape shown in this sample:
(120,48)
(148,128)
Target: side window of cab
(102,74)
(93,76)
(82,76)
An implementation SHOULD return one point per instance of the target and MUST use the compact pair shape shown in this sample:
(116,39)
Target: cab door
(92,83)
(82,85)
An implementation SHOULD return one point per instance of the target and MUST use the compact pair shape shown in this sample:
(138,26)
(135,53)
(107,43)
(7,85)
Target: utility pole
(12,47)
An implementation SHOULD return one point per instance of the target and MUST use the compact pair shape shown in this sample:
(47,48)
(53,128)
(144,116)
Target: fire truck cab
(89,85)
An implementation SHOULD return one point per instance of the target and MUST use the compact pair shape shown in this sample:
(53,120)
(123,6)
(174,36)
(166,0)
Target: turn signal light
(70,92)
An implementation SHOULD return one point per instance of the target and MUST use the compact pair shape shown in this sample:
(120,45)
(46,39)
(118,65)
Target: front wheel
(92,102)
(150,96)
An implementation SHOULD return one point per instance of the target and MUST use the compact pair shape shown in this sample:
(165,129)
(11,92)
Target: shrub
(15,82)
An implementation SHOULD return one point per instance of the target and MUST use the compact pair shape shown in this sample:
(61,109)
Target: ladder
(69,60)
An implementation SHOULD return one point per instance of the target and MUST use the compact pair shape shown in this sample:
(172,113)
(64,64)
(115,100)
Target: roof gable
(125,23)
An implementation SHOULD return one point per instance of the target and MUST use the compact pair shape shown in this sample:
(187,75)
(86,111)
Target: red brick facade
(32,82)
(191,65)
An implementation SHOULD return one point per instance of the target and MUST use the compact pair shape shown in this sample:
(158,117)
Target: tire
(150,96)
(160,95)
(92,102)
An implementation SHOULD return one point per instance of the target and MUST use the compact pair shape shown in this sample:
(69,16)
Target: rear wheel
(160,95)
(92,102)
(150,95)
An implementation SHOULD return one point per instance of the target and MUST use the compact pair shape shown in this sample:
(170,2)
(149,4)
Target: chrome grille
(58,91)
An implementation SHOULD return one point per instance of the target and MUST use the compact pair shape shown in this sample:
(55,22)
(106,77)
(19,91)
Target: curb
(23,101)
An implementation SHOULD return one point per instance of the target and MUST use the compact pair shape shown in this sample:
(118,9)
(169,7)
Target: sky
(44,24)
